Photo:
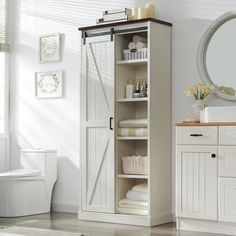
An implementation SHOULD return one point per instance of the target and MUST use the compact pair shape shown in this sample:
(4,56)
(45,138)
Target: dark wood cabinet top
(125,23)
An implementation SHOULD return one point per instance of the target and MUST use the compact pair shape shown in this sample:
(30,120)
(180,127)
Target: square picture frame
(50,48)
(48,84)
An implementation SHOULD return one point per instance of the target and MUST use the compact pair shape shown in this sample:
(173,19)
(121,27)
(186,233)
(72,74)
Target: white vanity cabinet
(206,177)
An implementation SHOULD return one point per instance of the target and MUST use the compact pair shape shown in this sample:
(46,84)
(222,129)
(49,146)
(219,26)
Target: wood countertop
(192,123)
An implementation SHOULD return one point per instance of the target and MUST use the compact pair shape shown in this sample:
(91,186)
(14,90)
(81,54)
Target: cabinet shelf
(123,176)
(131,138)
(145,99)
(133,62)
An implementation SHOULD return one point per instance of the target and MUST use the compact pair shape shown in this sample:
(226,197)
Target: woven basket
(135,165)
(138,54)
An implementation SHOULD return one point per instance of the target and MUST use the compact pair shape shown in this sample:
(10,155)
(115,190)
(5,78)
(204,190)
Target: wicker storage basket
(135,165)
(139,54)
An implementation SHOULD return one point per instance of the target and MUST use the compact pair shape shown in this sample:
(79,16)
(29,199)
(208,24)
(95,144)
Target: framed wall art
(50,48)
(48,84)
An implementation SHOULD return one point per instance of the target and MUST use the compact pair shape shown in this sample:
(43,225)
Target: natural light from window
(2,91)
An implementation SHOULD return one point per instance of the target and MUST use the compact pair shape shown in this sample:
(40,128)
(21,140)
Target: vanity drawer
(197,135)
(227,161)
(227,135)
(227,196)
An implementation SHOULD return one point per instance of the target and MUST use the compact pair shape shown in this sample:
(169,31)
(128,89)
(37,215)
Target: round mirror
(217,56)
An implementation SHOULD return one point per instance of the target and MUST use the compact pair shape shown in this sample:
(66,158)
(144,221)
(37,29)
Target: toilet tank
(44,160)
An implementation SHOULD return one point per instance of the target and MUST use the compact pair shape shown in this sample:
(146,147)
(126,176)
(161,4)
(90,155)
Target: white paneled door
(97,112)
(197,182)
(227,196)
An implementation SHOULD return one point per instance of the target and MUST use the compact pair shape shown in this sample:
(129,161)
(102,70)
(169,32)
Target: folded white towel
(132,45)
(132,132)
(133,204)
(133,123)
(138,38)
(141,188)
(140,45)
(137,196)
(124,210)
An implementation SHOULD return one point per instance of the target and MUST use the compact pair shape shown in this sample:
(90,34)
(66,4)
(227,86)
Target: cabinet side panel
(83,103)
(159,115)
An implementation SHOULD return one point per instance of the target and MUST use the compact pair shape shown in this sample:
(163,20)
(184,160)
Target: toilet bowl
(28,191)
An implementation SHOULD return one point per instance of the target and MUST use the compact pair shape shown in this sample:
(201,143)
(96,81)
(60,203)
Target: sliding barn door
(97,134)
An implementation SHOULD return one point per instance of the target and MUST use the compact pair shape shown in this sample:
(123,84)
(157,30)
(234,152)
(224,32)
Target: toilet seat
(20,173)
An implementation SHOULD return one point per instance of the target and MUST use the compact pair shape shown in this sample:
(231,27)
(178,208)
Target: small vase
(197,106)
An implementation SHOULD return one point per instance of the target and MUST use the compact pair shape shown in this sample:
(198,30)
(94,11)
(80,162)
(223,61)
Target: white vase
(197,106)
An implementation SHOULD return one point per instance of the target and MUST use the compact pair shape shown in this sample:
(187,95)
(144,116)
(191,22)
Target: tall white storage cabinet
(104,75)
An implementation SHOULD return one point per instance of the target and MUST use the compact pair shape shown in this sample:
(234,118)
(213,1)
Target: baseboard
(162,219)
(65,207)
(213,227)
(174,217)
(124,219)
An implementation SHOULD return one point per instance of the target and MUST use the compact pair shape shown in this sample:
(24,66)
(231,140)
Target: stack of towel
(137,42)
(133,128)
(136,201)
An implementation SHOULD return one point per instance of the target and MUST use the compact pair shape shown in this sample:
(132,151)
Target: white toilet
(28,191)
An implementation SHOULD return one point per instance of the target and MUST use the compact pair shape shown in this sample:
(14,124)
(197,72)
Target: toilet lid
(20,173)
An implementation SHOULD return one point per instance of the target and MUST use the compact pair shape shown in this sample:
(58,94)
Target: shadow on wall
(67,182)
(47,123)
(44,122)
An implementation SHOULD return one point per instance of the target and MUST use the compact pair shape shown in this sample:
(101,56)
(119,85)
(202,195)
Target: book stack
(113,16)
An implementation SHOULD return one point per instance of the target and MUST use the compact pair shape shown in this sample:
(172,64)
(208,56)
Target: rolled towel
(140,45)
(132,45)
(133,123)
(137,196)
(137,38)
(125,210)
(133,204)
(141,188)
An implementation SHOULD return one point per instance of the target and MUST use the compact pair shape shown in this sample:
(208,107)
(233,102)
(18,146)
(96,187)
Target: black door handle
(111,118)
(196,135)
(213,155)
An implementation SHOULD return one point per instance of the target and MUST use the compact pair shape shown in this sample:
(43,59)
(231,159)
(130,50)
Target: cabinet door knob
(213,155)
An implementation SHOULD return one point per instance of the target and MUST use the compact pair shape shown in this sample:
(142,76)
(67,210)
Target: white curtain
(4,25)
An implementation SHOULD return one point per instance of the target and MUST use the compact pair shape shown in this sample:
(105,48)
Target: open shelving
(145,99)
(132,176)
(131,138)
(129,108)
(133,62)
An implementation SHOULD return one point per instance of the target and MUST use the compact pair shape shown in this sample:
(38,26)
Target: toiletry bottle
(137,87)
(130,88)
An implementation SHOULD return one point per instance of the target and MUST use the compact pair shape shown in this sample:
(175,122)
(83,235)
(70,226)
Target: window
(3,92)
(4,49)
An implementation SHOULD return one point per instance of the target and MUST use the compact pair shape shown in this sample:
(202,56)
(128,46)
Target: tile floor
(70,224)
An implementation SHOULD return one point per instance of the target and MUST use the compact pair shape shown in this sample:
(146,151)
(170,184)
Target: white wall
(55,122)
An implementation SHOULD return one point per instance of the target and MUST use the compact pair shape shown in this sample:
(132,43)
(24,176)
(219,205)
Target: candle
(141,13)
(134,13)
(150,10)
